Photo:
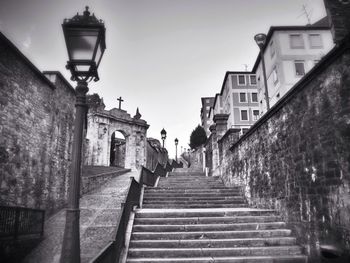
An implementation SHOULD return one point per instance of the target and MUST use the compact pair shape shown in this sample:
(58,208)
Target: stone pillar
(220,121)
(338,12)
(221,124)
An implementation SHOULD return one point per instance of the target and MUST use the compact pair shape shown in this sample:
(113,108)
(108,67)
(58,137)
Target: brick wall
(36,121)
(296,159)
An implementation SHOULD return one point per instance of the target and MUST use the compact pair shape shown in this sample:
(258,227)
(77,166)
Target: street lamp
(85,40)
(260,40)
(176,143)
(163,134)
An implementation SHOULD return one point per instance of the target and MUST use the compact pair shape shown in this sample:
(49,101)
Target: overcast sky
(162,55)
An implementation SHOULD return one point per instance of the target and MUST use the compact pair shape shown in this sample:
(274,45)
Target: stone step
(215,252)
(208,227)
(192,190)
(192,202)
(206,220)
(176,186)
(186,180)
(192,197)
(248,259)
(171,213)
(193,205)
(192,178)
(211,234)
(190,185)
(194,174)
(203,243)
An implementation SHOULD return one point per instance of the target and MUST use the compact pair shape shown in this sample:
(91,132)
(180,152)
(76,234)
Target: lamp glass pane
(82,68)
(98,53)
(81,43)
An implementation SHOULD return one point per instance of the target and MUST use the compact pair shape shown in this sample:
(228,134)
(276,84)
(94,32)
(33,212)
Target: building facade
(289,53)
(207,103)
(239,96)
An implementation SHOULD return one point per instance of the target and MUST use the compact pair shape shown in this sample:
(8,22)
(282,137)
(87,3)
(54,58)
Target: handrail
(20,221)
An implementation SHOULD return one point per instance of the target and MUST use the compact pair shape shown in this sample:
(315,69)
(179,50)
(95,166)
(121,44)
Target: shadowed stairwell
(193,218)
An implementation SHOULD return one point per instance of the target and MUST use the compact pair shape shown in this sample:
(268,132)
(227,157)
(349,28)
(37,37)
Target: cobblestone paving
(98,216)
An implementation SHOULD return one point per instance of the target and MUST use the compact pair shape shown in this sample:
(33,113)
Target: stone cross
(120,102)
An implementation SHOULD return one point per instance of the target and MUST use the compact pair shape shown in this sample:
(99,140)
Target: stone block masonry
(36,123)
(296,158)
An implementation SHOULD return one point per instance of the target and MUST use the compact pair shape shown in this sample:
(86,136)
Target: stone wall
(296,158)
(36,122)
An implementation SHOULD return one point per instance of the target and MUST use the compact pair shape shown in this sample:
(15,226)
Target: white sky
(162,55)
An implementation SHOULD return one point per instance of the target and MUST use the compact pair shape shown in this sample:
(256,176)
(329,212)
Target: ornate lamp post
(85,40)
(260,40)
(176,143)
(163,134)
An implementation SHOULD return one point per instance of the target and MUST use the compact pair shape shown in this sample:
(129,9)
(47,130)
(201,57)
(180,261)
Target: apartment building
(289,53)
(239,97)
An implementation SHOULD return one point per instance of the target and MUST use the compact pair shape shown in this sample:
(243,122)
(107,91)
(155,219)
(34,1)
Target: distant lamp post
(260,40)
(85,40)
(176,143)
(163,134)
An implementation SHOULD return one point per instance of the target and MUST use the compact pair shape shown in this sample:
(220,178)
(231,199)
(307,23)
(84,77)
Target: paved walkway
(98,216)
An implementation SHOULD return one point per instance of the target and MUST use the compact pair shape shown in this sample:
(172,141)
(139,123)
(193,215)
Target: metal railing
(168,167)
(20,221)
(160,170)
(147,177)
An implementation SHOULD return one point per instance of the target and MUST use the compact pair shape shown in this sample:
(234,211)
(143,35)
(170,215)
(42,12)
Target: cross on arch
(120,102)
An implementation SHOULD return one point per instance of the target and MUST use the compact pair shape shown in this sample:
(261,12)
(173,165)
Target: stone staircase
(193,218)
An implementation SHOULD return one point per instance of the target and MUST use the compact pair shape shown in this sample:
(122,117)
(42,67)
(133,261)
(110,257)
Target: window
(255,115)
(296,41)
(252,79)
(207,100)
(244,115)
(242,97)
(272,49)
(274,75)
(315,41)
(207,107)
(241,80)
(254,97)
(299,68)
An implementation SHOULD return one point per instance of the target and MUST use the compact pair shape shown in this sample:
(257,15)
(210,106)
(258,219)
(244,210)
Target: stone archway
(102,124)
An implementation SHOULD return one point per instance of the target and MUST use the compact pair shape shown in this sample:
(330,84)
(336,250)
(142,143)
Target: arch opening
(118,149)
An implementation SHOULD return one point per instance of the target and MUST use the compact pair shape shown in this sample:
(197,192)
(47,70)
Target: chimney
(338,12)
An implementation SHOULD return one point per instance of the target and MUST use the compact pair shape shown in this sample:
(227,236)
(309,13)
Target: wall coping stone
(59,74)
(108,173)
(331,56)
(27,61)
